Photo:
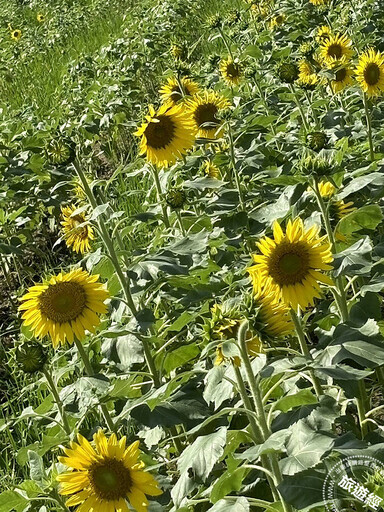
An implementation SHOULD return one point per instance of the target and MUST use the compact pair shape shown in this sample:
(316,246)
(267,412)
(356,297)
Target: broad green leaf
(11,501)
(179,356)
(302,397)
(366,217)
(231,505)
(228,482)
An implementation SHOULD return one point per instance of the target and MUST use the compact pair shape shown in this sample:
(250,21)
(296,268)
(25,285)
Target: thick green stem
(305,351)
(90,372)
(180,221)
(362,408)
(258,403)
(224,38)
(340,296)
(234,169)
(160,196)
(369,127)
(299,106)
(59,403)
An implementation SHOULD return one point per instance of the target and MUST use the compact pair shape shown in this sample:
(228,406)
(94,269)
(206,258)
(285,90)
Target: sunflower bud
(60,151)
(233,17)
(316,166)
(182,68)
(176,198)
(215,21)
(288,72)
(31,356)
(306,49)
(179,51)
(317,140)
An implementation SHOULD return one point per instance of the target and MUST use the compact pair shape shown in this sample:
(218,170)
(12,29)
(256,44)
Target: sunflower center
(335,51)
(289,263)
(206,113)
(63,302)
(372,73)
(341,75)
(110,479)
(159,132)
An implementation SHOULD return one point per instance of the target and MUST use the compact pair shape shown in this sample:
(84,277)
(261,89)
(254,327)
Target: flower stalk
(53,388)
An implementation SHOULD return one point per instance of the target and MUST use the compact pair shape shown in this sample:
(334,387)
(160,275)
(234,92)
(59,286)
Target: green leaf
(99,210)
(36,467)
(366,217)
(302,397)
(178,357)
(355,260)
(217,388)
(229,481)
(232,505)
(304,489)
(11,501)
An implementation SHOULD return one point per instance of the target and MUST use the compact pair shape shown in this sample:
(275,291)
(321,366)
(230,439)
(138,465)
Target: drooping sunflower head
(307,73)
(231,71)
(290,264)
(31,356)
(60,151)
(204,109)
(65,306)
(106,475)
(40,18)
(370,72)
(317,140)
(323,34)
(288,72)
(176,198)
(77,232)
(317,165)
(210,169)
(166,135)
(337,48)
(342,78)
(176,90)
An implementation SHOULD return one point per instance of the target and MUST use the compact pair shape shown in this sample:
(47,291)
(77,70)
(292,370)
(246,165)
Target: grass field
(191,255)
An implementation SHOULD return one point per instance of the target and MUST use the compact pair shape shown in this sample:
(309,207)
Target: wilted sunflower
(307,73)
(343,78)
(203,109)
(210,169)
(40,18)
(337,48)
(16,34)
(105,476)
(323,34)
(166,135)
(370,72)
(65,306)
(175,90)
(77,232)
(231,71)
(290,264)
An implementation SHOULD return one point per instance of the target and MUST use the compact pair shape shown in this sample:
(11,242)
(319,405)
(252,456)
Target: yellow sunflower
(277,21)
(211,170)
(166,135)
(338,208)
(370,72)
(40,18)
(290,264)
(176,90)
(337,48)
(16,34)
(203,109)
(231,71)
(104,477)
(341,209)
(319,3)
(65,306)
(77,232)
(323,34)
(343,78)
(307,73)
(326,189)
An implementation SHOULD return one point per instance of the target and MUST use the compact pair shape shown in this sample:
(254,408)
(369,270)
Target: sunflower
(65,306)
(16,34)
(323,34)
(105,476)
(370,72)
(203,109)
(166,135)
(176,90)
(319,3)
(339,209)
(210,169)
(277,21)
(231,71)
(290,263)
(326,189)
(40,18)
(343,78)
(307,73)
(337,48)
(77,232)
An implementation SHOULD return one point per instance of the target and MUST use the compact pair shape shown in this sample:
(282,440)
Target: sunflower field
(191,255)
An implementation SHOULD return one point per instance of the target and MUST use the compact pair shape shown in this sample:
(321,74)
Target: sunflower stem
(340,295)
(299,106)
(258,404)
(180,221)
(224,38)
(361,402)
(53,388)
(235,173)
(369,127)
(160,196)
(254,427)
(90,372)
(305,351)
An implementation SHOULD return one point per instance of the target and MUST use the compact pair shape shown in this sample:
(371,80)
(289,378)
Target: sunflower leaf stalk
(234,169)
(369,127)
(160,195)
(53,388)
(300,107)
